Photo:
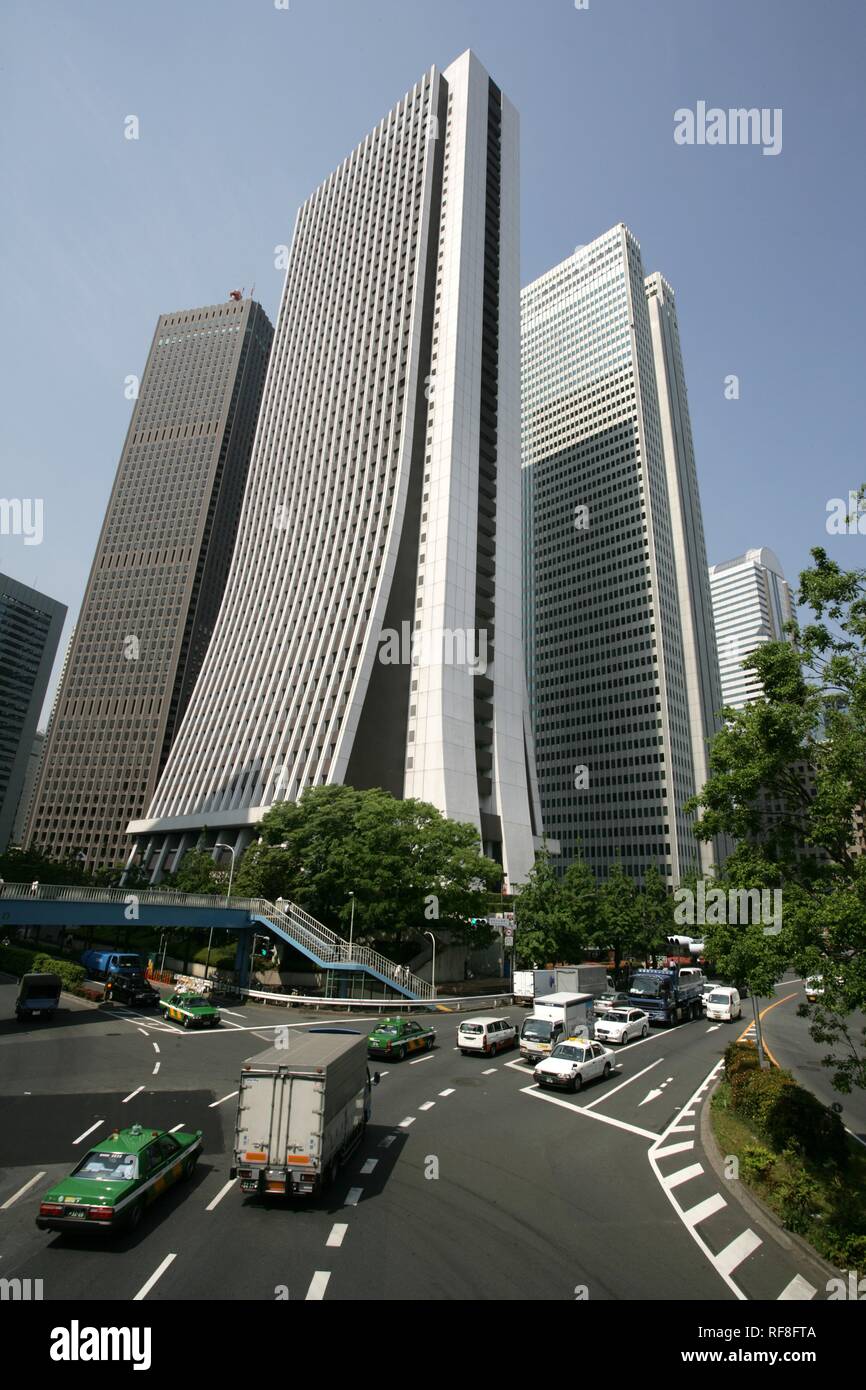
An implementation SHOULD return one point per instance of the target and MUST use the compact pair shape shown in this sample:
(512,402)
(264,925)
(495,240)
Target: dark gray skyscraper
(621,657)
(30,628)
(157,578)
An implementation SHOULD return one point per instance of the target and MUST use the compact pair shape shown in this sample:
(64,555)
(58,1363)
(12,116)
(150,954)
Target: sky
(245,106)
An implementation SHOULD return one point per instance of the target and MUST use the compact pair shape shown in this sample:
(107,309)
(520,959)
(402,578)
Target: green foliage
(799,1197)
(409,867)
(845,1249)
(758,1093)
(546,929)
(29,866)
(740,1056)
(757,1162)
(788,1117)
(197,874)
(70,973)
(16,960)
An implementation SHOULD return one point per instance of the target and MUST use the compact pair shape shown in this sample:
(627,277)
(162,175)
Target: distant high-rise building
(620,655)
(25,800)
(30,628)
(370,631)
(751,604)
(156,580)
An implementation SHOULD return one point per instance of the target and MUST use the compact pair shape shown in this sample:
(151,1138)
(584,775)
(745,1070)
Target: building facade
(156,581)
(370,631)
(751,604)
(30,628)
(620,655)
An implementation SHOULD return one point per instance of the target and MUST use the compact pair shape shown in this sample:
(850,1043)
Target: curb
(757,1211)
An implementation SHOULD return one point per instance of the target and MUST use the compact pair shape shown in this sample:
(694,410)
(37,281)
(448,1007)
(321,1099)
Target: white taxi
(574,1062)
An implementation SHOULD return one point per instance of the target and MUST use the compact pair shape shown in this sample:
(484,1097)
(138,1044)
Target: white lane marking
(448,1092)
(131,1095)
(88,1131)
(683,1129)
(175,1128)
(353,1196)
(156,1067)
(738,1250)
(613,1090)
(699,1213)
(369,1166)
(519,1066)
(337,1234)
(650,1095)
(590,1115)
(215,1103)
(156,1047)
(428,1105)
(687,1114)
(238,1026)
(227,1187)
(318,1284)
(799,1290)
(682,1175)
(404,1124)
(22,1190)
(146,1288)
(144,1031)
(263,1038)
(488,1071)
(428,1057)
(231,1013)
(384,1073)
(679,1148)
(387,1141)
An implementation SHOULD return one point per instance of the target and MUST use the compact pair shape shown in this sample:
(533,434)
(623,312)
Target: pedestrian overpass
(345,967)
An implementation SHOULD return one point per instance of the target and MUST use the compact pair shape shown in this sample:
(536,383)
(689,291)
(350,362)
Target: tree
(29,866)
(656,910)
(620,927)
(541,915)
(788,781)
(580,893)
(197,873)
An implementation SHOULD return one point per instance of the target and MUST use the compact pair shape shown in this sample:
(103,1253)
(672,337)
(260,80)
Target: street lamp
(228,896)
(433,970)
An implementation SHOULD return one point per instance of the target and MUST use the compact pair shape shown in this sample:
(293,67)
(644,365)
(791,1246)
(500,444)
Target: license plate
(80,1214)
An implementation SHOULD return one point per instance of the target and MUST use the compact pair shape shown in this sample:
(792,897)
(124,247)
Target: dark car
(132,989)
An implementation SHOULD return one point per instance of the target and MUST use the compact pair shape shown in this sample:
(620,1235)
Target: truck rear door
(305,1120)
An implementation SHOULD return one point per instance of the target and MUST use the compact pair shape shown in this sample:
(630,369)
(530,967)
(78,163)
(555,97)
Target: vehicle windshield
(106,1167)
(536,1029)
(647,986)
(719,998)
(616,1016)
(568,1053)
(129,962)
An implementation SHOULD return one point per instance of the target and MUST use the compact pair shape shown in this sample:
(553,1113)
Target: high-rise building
(620,654)
(30,628)
(370,631)
(156,580)
(751,604)
(28,787)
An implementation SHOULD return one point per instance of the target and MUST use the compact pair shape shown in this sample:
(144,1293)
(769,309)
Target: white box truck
(302,1109)
(555,1017)
(591,978)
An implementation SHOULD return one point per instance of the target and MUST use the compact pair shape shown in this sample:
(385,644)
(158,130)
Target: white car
(709,986)
(621,1025)
(724,1003)
(573,1062)
(486,1035)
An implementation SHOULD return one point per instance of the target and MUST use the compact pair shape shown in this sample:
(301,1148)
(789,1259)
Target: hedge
(16,960)
(788,1116)
(70,974)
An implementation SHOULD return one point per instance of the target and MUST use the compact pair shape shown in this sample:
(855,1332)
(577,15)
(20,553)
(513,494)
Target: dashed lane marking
(318,1284)
(369,1166)
(231,1013)
(353,1196)
(682,1175)
(337,1234)
(409,1120)
(676,1148)
(22,1190)
(226,1187)
(156,1047)
(215,1103)
(132,1095)
(89,1131)
(156,1067)
(387,1141)
(428,1057)
(157,1274)
(701,1211)
(175,1128)
(428,1105)
(489,1071)
(448,1092)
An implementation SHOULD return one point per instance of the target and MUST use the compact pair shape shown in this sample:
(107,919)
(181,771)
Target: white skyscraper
(370,630)
(620,652)
(751,603)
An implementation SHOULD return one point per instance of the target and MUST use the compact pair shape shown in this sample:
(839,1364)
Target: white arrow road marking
(318,1284)
(613,1090)
(585,1110)
(227,1187)
(714,1027)
(131,1095)
(214,1103)
(146,1288)
(651,1095)
(89,1131)
(22,1190)
(337,1235)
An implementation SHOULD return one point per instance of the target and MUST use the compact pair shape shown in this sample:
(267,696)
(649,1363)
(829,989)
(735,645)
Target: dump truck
(670,996)
(302,1109)
(105,965)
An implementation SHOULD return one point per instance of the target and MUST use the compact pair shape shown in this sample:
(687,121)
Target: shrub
(16,960)
(799,1197)
(797,1119)
(845,1249)
(740,1057)
(70,974)
(755,1093)
(756,1161)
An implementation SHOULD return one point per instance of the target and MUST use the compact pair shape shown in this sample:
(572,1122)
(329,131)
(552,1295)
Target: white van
(487,1035)
(724,1003)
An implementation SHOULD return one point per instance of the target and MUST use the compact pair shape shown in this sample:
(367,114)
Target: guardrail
(455,1003)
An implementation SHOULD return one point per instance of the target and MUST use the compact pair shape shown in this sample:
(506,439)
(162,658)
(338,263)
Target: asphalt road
(470,1183)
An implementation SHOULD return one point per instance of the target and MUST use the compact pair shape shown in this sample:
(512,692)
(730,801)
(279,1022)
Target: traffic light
(264,949)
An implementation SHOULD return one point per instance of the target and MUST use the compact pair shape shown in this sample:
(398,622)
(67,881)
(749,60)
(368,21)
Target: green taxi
(191,1010)
(396,1036)
(114,1183)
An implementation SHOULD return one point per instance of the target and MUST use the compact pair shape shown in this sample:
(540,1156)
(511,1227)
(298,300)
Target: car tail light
(50,1208)
(100,1213)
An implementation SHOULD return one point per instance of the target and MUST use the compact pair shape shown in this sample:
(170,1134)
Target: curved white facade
(381,517)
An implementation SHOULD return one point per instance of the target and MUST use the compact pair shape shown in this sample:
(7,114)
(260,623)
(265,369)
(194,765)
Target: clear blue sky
(244,109)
